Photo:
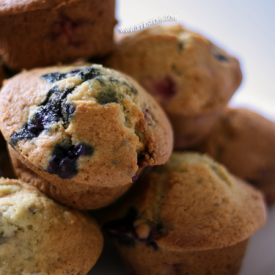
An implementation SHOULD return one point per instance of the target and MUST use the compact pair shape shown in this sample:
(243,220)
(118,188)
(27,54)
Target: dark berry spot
(135,177)
(88,73)
(53,77)
(75,71)
(165,88)
(107,96)
(123,230)
(64,159)
(132,89)
(180,46)
(67,30)
(148,117)
(3,240)
(113,80)
(52,109)
(100,81)
(221,57)
(84,74)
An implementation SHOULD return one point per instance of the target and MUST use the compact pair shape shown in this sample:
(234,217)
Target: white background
(245,28)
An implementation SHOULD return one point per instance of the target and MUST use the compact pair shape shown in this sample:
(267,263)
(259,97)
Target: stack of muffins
(85,136)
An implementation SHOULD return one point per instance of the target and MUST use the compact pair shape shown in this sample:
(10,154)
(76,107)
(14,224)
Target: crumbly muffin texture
(86,125)
(244,142)
(36,234)
(191,202)
(187,73)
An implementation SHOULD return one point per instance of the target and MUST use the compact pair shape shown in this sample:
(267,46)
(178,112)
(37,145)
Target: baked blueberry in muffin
(36,234)
(83,130)
(187,74)
(189,216)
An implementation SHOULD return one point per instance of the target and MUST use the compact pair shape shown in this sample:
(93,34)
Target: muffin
(36,234)
(56,31)
(244,142)
(2,75)
(189,216)
(6,168)
(190,77)
(85,131)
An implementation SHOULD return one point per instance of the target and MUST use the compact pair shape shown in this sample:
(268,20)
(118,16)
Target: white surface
(245,28)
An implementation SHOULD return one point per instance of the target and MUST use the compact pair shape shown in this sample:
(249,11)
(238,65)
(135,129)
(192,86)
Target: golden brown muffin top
(84,124)
(39,236)
(191,202)
(183,70)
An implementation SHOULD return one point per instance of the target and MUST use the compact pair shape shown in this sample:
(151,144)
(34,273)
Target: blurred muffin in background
(189,216)
(190,77)
(6,168)
(39,236)
(244,142)
(39,33)
(2,74)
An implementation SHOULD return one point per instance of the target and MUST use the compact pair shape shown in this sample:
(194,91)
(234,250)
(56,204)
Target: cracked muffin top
(88,123)
(35,234)
(184,71)
(191,202)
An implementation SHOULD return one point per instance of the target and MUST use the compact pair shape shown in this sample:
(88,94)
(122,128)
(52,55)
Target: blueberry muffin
(2,75)
(190,77)
(56,31)
(36,234)
(6,168)
(244,142)
(189,216)
(85,131)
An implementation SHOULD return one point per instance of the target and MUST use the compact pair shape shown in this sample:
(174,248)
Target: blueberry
(27,133)
(100,80)
(148,117)
(123,230)
(53,77)
(135,177)
(52,109)
(64,159)
(85,74)
(132,89)
(221,57)
(89,73)
(75,71)
(107,96)
(180,46)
